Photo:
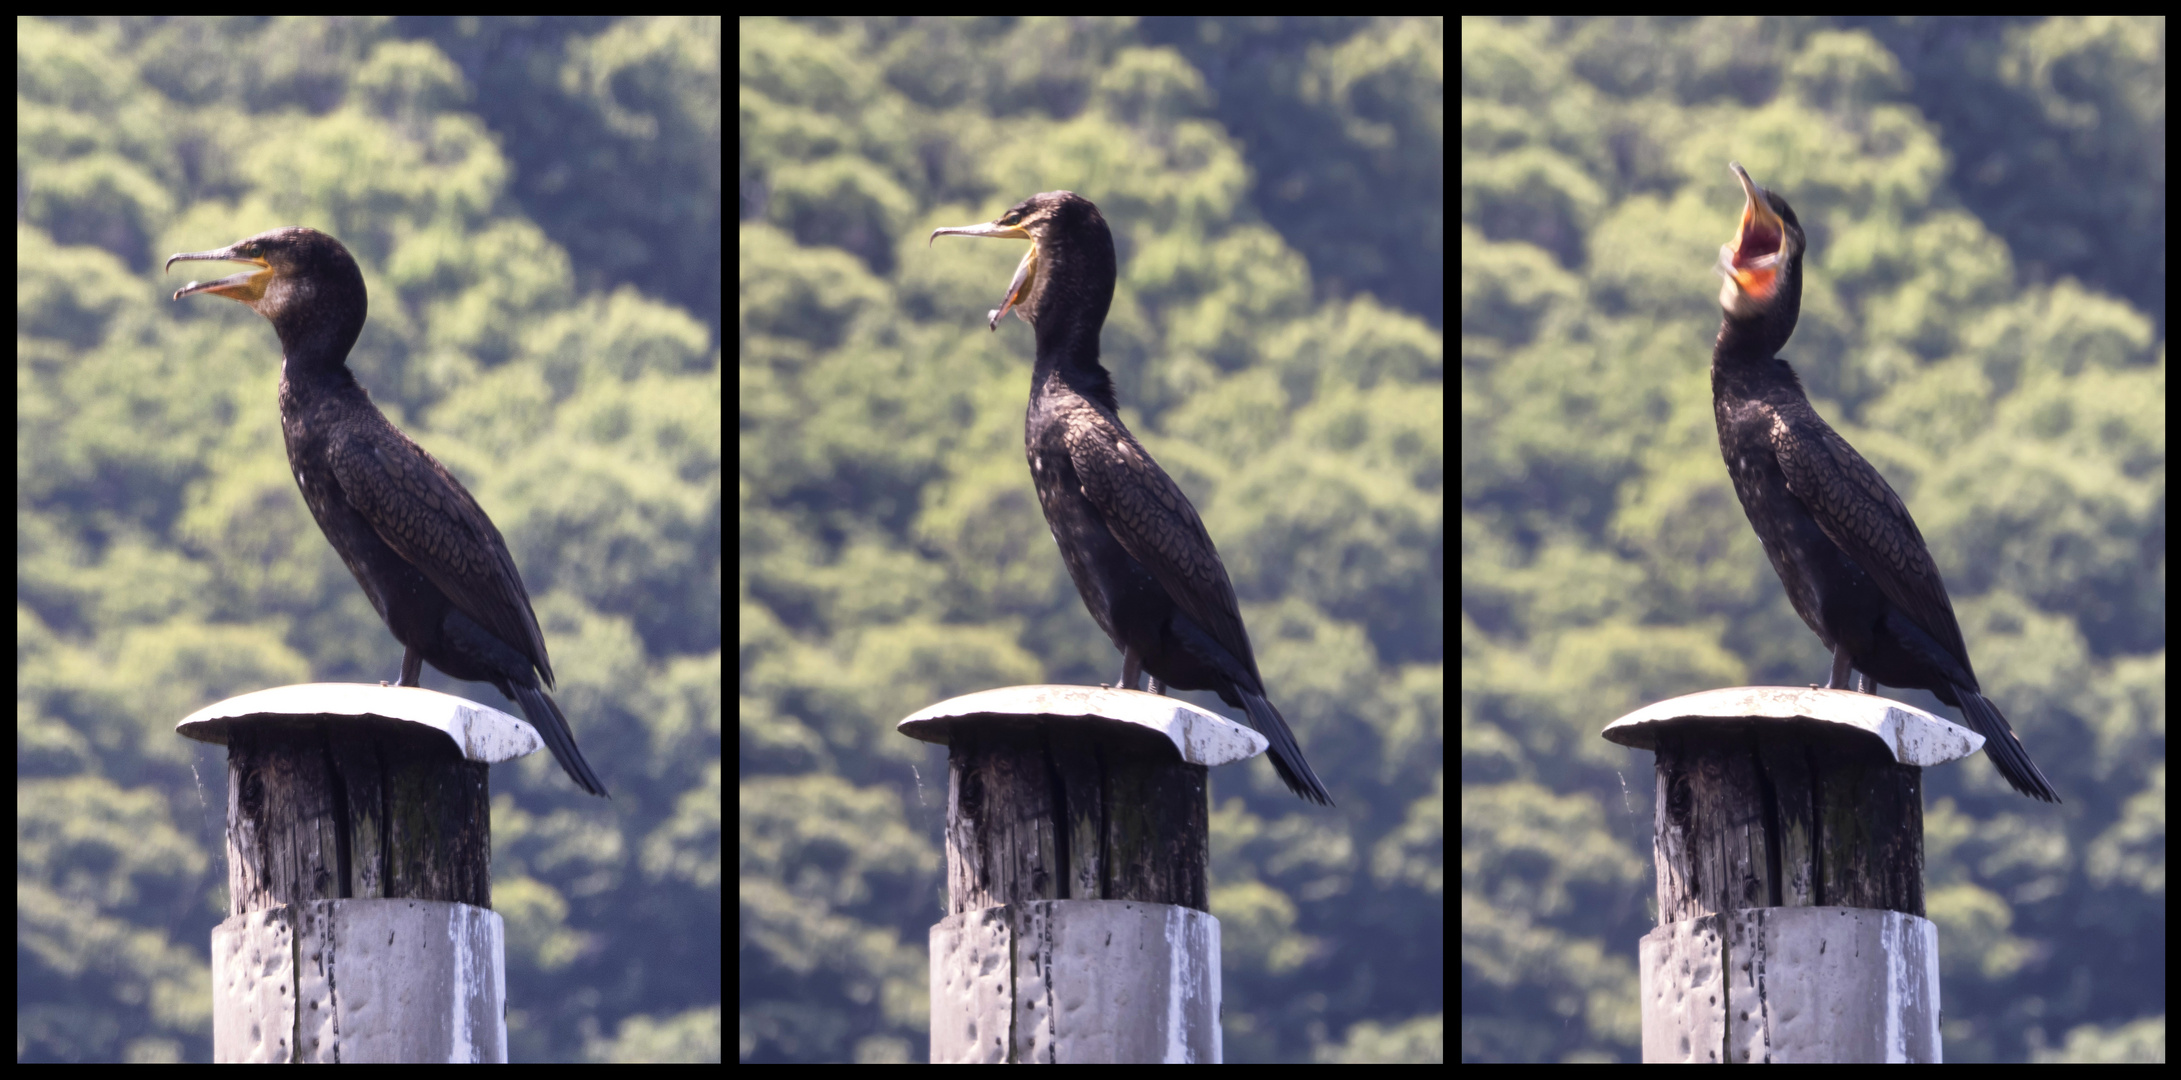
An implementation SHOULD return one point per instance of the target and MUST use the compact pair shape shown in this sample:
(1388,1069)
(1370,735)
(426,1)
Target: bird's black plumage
(1134,545)
(1852,561)
(422,549)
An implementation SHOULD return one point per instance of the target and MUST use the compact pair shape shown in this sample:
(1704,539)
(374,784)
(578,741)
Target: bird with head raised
(1843,544)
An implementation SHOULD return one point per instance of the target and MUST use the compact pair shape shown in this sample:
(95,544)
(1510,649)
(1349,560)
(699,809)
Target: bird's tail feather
(543,714)
(2006,752)
(1287,758)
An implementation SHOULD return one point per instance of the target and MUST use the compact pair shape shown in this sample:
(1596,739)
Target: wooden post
(359,848)
(1788,838)
(1076,928)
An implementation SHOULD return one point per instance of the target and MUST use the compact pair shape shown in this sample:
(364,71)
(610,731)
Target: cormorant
(1851,558)
(426,555)
(1135,547)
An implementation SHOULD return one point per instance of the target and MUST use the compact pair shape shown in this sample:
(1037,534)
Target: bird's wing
(1151,518)
(1859,511)
(414,504)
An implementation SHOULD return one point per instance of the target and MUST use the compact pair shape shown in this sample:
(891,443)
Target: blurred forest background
(535,207)
(1983,317)
(1275,189)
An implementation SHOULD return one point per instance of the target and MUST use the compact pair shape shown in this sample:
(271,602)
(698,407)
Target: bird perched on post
(1854,565)
(430,561)
(1140,556)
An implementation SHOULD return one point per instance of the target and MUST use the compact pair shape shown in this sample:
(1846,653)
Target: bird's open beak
(1025,271)
(245,287)
(1753,259)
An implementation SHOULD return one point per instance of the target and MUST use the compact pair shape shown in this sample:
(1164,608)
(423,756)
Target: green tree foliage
(893,551)
(165,560)
(2011,390)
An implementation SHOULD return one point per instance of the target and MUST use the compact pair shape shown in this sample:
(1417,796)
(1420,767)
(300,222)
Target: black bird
(1135,547)
(426,555)
(1854,565)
